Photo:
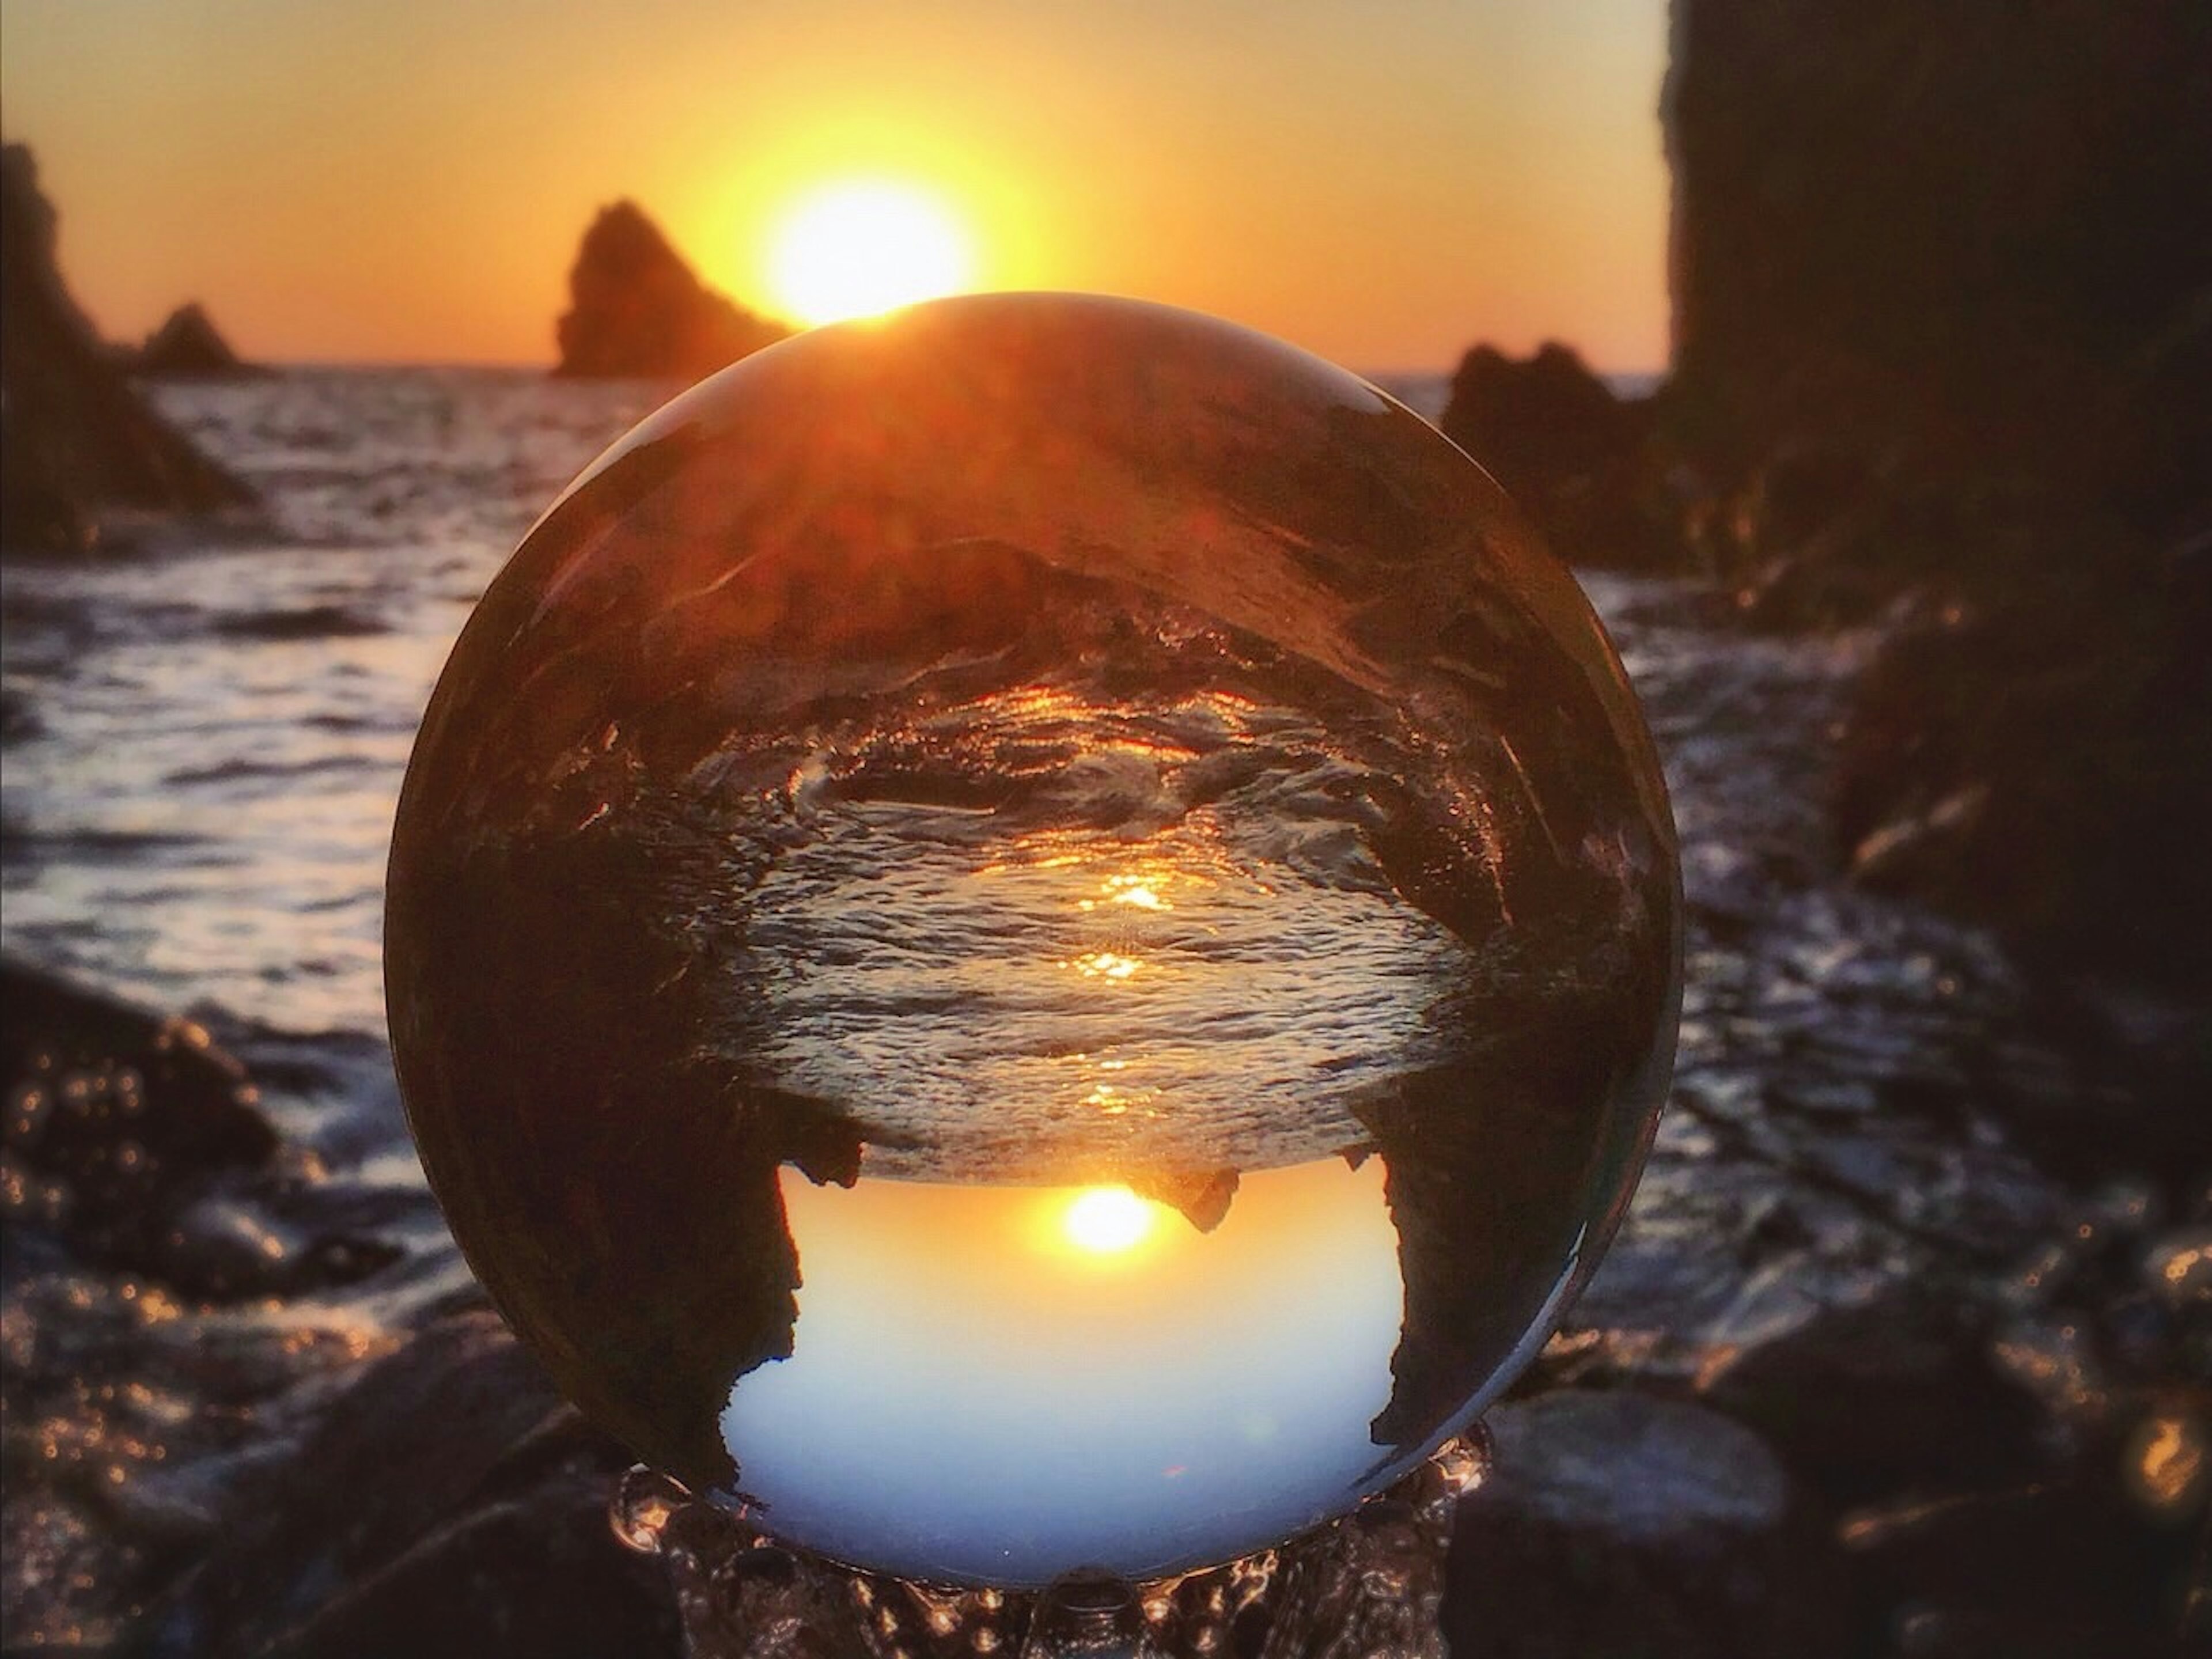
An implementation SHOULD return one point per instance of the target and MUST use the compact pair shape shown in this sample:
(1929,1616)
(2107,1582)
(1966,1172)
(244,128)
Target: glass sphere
(1034,935)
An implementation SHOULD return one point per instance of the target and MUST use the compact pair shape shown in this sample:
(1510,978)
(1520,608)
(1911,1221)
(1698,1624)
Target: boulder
(1570,453)
(2036,757)
(636,308)
(74,437)
(189,347)
(1616,1525)
(137,1143)
(447,1505)
(1942,292)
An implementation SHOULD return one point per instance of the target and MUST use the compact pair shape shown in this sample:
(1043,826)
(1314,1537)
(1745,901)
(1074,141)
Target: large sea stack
(636,308)
(73,436)
(1942,286)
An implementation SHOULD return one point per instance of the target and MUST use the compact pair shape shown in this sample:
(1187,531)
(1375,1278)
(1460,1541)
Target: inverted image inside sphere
(1030,935)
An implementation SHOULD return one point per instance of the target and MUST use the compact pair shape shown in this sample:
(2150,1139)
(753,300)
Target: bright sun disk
(855,249)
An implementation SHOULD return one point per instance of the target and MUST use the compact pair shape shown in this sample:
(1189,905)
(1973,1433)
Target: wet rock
(1569,451)
(189,347)
(1617,1524)
(2047,1569)
(142,1146)
(1861,1399)
(636,308)
(87,1072)
(446,1504)
(74,437)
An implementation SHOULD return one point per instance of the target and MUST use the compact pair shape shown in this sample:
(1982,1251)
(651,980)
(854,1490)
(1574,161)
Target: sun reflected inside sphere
(1107,1221)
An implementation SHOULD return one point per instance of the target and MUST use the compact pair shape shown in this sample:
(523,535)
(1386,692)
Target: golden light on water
(864,246)
(1106,1220)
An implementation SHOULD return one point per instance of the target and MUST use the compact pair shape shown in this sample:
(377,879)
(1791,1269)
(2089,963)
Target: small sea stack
(636,309)
(189,347)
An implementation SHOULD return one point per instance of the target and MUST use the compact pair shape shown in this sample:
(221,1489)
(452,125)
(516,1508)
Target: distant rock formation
(1569,451)
(73,436)
(636,309)
(189,347)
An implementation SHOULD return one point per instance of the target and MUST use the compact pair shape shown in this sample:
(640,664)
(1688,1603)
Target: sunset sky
(407,181)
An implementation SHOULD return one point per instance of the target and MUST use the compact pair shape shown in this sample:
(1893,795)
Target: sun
(867,245)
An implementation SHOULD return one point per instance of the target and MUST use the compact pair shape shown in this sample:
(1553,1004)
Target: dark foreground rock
(1573,455)
(74,437)
(1617,1525)
(189,347)
(1968,232)
(134,1142)
(636,308)
(1943,292)
(447,1505)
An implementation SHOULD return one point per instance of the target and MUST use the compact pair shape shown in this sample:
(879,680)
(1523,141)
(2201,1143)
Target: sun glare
(855,249)
(1106,1220)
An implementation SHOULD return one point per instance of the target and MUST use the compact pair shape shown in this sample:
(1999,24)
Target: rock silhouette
(1570,452)
(73,436)
(636,308)
(189,346)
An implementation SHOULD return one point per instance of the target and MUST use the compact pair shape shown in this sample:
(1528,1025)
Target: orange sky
(407,181)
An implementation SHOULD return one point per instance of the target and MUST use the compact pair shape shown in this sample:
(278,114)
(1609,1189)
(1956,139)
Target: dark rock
(1944,336)
(1615,1524)
(144,1147)
(447,1504)
(81,1065)
(2049,1569)
(74,437)
(1968,235)
(2038,758)
(188,346)
(636,309)
(1866,1399)
(1570,453)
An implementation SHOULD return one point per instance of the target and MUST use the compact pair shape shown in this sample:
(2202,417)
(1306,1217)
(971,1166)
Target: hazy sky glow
(407,181)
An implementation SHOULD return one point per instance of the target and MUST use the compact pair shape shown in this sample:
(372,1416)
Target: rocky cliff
(1977,229)
(73,436)
(1942,285)
(636,308)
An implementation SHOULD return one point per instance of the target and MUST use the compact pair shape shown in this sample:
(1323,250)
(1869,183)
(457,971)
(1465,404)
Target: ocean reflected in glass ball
(1033,936)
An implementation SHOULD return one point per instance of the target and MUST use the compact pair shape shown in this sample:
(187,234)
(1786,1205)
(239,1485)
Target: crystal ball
(1036,935)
